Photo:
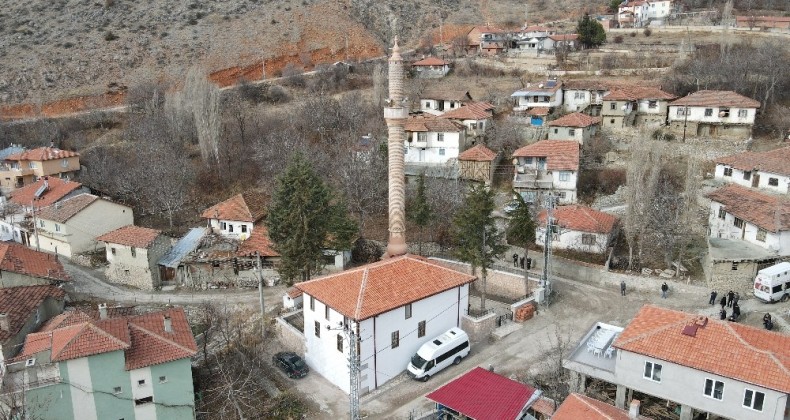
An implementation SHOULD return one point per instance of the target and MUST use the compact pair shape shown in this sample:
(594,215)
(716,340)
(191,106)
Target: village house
(235,217)
(487,40)
(635,106)
(537,116)
(439,101)
(577,228)
(133,253)
(392,306)
(639,13)
(23,310)
(430,67)
(568,42)
(173,265)
(484,395)
(547,167)
(586,95)
(749,230)
(23,201)
(577,406)
(70,227)
(476,116)
(706,366)
(531,38)
(768,171)
(433,140)
(125,367)
(22,266)
(713,113)
(545,95)
(576,126)
(478,164)
(23,168)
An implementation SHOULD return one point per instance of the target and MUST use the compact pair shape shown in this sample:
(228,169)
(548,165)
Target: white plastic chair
(608,352)
(597,352)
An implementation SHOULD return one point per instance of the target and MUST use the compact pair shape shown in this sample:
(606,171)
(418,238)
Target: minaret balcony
(396,113)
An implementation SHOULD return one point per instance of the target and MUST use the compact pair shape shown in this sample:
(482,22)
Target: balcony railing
(540,180)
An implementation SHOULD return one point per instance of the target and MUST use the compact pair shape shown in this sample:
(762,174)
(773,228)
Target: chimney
(633,409)
(102,311)
(4,323)
(168,324)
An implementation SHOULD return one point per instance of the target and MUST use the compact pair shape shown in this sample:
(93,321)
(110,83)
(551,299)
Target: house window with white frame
(395,339)
(652,371)
(326,312)
(571,132)
(422,136)
(734,266)
(439,136)
(727,171)
(742,113)
(578,95)
(714,389)
(722,213)
(428,104)
(312,303)
(64,163)
(134,252)
(761,234)
(421,329)
(681,112)
(613,106)
(408,310)
(565,176)
(442,151)
(753,399)
(708,112)
(588,239)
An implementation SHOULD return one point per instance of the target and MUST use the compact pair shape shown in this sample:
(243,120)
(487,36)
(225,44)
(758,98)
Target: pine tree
(590,31)
(478,241)
(420,211)
(304,219)
(521,231)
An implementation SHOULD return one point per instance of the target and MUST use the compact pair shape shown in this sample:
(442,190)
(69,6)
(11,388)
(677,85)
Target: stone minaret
(395,114)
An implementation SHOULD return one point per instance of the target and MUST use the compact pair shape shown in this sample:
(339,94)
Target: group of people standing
(729,300)
(523,262)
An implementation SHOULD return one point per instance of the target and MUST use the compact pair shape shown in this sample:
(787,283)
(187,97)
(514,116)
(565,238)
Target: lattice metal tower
(353,370)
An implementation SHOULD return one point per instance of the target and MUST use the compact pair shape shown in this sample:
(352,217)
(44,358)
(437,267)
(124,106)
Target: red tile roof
(576,119)
(484,395)
(142,338)
(560,154)
(130,235)
(247,207)
(774,161)
(446,94)
(564,37)
(578,407)
(536,28)
(479,153)
(20,259)
(635,93)
(544,406)
(728,349)
(602,84)
(64,210)
(471,111)
(431,61)
(20,303)
(769,212)
(373,289)
(539,111)
(716,98)
(581,219)
(42,154)
(429,123)
(257,242)
(57,188)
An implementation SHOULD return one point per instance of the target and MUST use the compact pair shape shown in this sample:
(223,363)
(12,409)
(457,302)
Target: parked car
(291,364)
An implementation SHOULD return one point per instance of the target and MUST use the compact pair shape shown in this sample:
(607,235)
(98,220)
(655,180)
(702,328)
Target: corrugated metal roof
(183,247)
(8,151)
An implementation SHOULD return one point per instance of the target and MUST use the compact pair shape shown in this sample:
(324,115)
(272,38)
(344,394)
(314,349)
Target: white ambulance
(772,283)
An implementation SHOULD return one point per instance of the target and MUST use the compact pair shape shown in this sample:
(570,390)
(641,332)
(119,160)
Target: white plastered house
(577,228)
(235,217)
(768,171)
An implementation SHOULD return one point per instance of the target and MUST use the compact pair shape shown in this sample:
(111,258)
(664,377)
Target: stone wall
(499,283)
(289,337)
(478,329)
(129,275)
(722,277)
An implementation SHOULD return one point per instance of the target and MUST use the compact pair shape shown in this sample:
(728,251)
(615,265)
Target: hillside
(60,48)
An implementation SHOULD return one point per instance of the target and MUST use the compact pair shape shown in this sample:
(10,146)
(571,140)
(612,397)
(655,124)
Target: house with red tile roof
(476,116)
(394,305)
(433,140)
(768,171)
(749,230)
(547,167)
(713,113)
(135,366)
(23,310)
(436,101)
(704,365)
(478,163)
(22,266)
(484,395)
(578,406)
(641,106)
(133,253)
(546,95)
(570,42)
(579,228)
(575,126)
(431,67)
(24,168)
(487,40)
(71,226)
(235,217)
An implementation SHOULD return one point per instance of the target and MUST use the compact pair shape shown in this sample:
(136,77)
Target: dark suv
(291,364)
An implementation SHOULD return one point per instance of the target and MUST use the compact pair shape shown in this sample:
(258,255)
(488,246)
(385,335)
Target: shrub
(632,34)
(109,36)
(618,39)
(647,32)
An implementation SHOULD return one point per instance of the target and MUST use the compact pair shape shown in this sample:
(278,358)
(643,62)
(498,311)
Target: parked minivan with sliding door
(435,355)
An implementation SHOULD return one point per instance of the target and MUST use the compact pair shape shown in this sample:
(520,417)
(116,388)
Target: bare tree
(549,375)
(204,97)
(641,179)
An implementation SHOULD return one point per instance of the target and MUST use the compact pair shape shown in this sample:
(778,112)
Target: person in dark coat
(515,260)
(736,298)
(736,311)
(522,262)
(723,301)
(664,289)
(622,287)
(713,295)
(730,297)
(723,314)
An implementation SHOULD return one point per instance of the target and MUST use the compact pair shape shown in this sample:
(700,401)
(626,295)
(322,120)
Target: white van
(773,283)
(437,354)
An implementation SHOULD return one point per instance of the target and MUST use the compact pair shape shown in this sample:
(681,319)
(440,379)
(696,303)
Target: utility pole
(685,121)
(547,248)
(353,370)
(260,294)
(35,225)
